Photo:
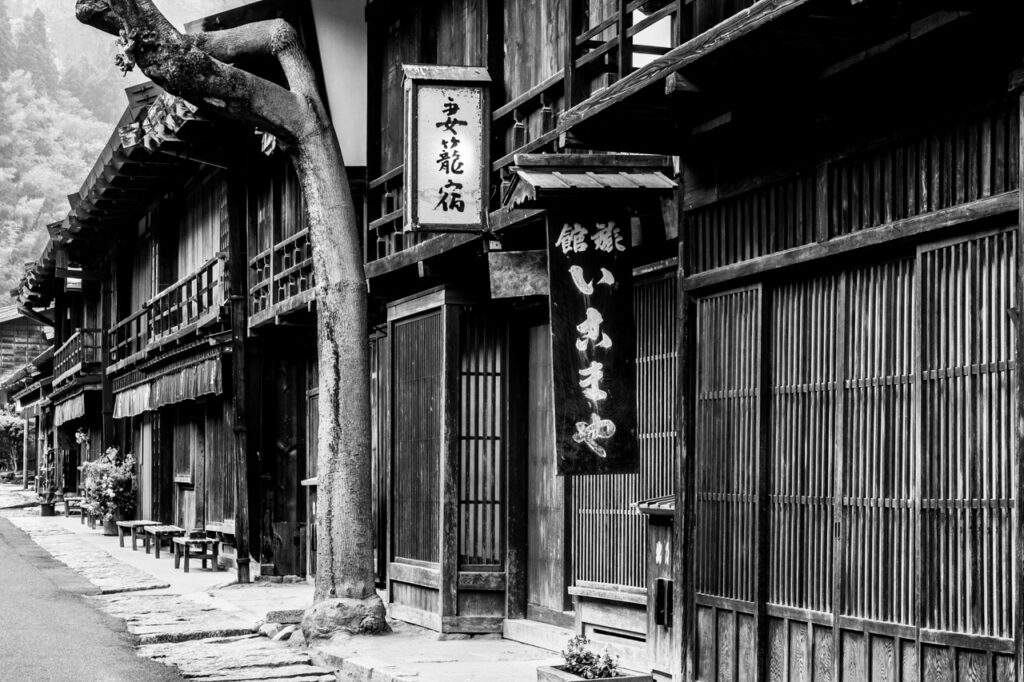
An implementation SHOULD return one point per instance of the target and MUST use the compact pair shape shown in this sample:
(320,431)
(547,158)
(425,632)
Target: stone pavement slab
(84,557)
(411,653)
(248,657)
(158,618)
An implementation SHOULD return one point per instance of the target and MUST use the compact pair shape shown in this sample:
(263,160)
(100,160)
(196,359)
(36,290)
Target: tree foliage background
(60,97)
(11,430)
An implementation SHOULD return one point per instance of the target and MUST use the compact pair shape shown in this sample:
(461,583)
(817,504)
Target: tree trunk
(344,477)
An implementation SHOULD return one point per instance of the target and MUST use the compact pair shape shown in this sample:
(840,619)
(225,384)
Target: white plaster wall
(341,34)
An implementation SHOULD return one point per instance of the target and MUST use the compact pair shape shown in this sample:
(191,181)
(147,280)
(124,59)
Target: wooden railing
(190,301)
(80,352)
(279,275)
(187,301)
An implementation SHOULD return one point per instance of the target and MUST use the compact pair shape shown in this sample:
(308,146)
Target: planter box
(46,509)
(550,673)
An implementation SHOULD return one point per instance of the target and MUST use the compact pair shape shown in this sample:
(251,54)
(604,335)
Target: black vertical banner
(593,341)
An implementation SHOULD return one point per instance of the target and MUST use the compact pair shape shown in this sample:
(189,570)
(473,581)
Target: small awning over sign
(657,506)
(541,177)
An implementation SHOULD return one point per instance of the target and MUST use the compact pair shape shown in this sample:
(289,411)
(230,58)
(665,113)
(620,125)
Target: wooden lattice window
(727,432)
(968,413)
(481,442)
(602,512)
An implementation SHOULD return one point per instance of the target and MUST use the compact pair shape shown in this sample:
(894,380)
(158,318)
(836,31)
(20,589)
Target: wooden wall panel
(416,485)
(602,514)
(759,221)
(968,160)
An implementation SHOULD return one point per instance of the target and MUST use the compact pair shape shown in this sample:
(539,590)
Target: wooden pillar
(1018,504)
(573,22)
(107,384)
(683,621)
(235,411)
(449,526)
(24,455)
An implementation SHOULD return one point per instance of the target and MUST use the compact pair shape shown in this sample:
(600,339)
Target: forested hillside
(60,96)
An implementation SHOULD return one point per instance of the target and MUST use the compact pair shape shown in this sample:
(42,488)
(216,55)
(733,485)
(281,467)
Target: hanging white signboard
(446,161)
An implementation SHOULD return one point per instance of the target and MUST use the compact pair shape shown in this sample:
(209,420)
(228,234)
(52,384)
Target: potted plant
(110,489)
(47,485)
(583,663)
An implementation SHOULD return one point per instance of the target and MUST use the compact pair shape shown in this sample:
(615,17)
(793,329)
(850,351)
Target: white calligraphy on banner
(449,140)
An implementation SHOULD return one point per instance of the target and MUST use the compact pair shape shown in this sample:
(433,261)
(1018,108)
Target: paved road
(49,633)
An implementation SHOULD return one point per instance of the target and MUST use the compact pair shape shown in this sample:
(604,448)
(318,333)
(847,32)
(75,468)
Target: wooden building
(819,208)
(181,284)
(826,336)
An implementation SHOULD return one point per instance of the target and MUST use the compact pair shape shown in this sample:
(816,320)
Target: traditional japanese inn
(695,326)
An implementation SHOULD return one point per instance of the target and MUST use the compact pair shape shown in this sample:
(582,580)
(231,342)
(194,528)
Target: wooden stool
(134,527)
(159,533)
(183,547)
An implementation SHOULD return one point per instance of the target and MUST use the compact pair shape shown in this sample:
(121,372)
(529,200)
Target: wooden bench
(157,534)
(133,527)
(186,546)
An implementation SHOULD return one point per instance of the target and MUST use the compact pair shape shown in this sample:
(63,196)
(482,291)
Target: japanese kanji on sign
(446,175)
(592,340)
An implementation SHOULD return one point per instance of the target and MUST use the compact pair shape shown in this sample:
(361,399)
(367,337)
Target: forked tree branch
(192,66)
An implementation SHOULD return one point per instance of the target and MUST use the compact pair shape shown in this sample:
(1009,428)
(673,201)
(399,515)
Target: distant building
(21,339)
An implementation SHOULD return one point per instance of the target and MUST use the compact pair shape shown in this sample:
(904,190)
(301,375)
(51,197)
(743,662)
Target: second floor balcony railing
(280,274)
(186,304)
(81,353)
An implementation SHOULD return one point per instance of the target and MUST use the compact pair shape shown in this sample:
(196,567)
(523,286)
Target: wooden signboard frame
(418,78)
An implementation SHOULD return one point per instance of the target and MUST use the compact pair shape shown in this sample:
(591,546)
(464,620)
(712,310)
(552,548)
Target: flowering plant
(110,485)
(81,436)
(582,661)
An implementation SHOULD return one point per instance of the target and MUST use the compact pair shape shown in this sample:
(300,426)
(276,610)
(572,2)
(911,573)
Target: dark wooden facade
(826,356)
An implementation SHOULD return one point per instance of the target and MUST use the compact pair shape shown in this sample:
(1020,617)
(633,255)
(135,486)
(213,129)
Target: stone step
(535,633)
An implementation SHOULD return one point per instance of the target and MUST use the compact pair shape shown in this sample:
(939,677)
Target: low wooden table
(184,547)
(158,533)
(134,527)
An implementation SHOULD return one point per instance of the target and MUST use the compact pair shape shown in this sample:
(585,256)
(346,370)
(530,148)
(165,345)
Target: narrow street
(50,633)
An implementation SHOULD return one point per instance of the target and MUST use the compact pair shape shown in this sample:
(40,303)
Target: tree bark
(191,67)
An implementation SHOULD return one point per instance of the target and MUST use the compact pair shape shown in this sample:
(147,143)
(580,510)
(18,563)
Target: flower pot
(110,527)
(46,509)
(555,673)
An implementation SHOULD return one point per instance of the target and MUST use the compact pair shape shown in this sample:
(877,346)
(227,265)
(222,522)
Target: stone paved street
(207,628)
(50,633)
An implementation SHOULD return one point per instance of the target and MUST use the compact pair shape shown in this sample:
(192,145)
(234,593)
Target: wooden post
(574,91)
(449,527)
(107,384)
(517,470)
(24,456)
(236,290)
(683,620)
(1018,504)
(624,56)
